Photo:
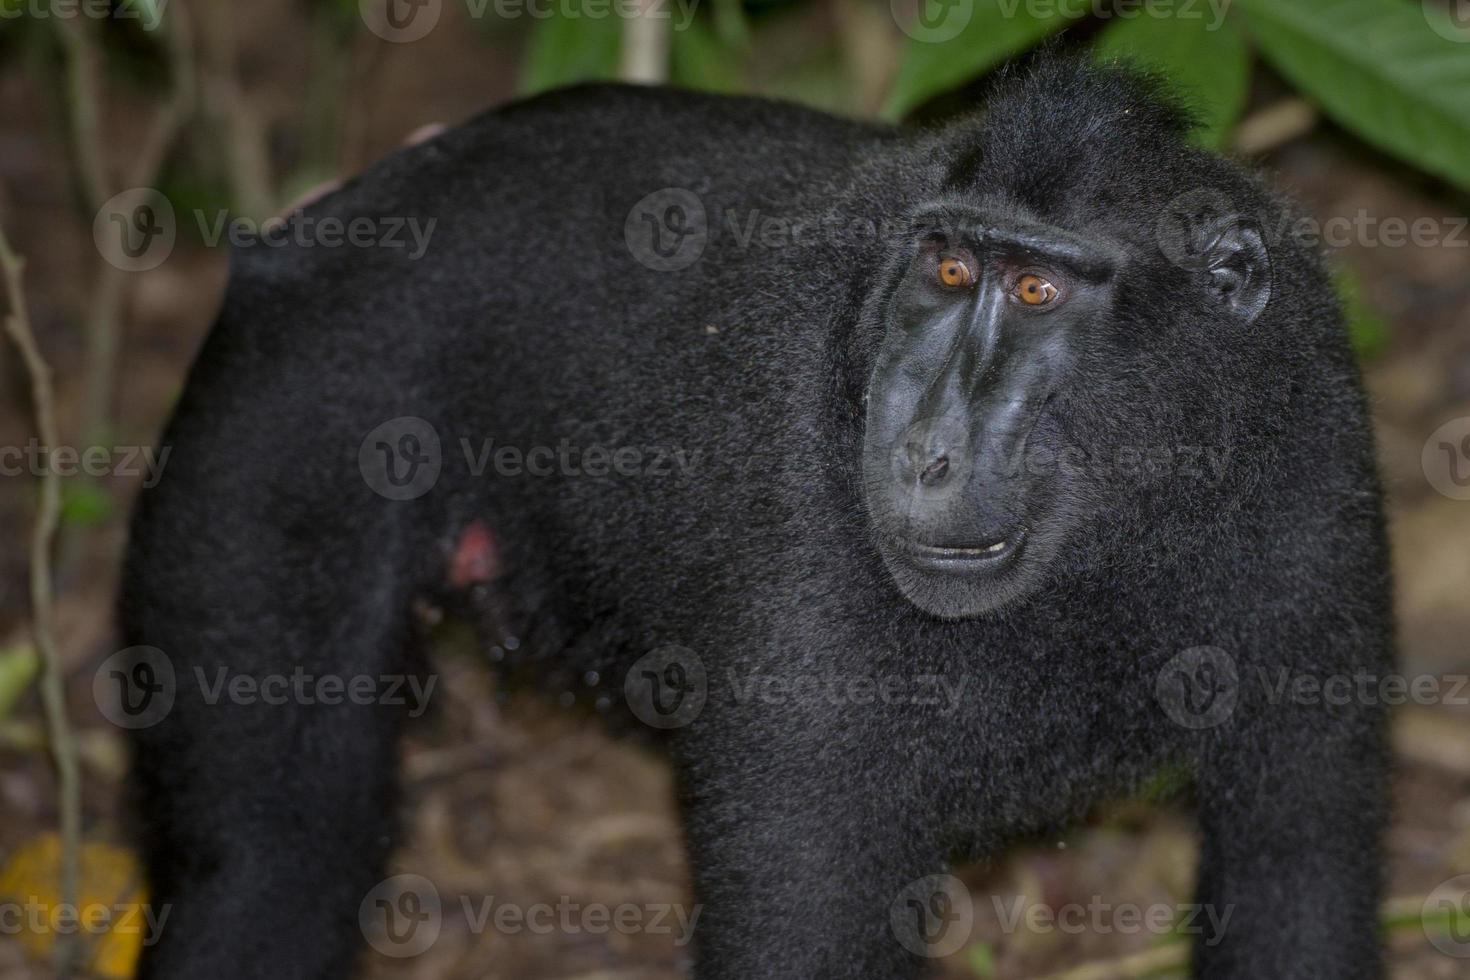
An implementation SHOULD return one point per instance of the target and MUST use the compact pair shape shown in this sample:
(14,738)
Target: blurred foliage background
(1395,74)
(1359,108)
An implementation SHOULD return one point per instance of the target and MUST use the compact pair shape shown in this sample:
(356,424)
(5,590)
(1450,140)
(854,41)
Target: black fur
(531,321)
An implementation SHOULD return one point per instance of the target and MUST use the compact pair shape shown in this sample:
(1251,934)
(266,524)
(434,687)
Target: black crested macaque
(937,484)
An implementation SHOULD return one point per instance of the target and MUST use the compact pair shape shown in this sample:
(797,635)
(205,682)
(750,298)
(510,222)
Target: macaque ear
(1237,265)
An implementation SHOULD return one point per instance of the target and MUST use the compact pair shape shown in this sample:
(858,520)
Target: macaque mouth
(982,556)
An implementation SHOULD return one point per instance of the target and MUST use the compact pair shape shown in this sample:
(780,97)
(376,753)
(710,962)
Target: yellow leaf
(111,917)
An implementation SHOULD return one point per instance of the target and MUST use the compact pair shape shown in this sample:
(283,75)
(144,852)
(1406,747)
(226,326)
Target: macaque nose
(935,472)
(926,463)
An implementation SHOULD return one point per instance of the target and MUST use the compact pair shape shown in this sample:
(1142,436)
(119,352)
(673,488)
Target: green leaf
(1381,68)
(84,504)
(1166,783)
(565,50)
(149,12)
(1367,328)
(699,59)
(953,41)
(1446,919)
(819,79)
(1204,56)
(730,23)
(19,665)
(981,960)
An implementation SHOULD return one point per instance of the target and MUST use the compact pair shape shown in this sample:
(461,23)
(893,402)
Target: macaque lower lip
(958,558)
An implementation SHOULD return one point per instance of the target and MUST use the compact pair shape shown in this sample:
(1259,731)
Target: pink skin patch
(476,557)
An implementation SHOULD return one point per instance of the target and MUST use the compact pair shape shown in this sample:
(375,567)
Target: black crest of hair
(977,475)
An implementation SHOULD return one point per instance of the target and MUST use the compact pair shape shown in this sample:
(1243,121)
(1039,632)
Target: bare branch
(1143,964)
(1275,125)
(110,292)
(245,132)
(82,59)
(43,537)
(645,56)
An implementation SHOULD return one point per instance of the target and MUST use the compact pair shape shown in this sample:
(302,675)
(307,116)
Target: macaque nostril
(935,471)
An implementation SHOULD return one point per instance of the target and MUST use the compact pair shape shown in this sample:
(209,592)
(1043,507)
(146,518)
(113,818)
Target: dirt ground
(512,800)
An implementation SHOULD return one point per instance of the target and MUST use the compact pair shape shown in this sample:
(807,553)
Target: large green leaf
(953,41)
(565,49)
(1205,56)
(701,59)
(1381,69)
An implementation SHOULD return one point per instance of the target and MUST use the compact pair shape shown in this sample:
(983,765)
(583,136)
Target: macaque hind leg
(268,790)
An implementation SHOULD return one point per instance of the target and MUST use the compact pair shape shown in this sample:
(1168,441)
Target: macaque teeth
(989,549)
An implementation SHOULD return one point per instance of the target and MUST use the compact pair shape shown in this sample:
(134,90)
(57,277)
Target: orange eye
(954,272)
(1035,291)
